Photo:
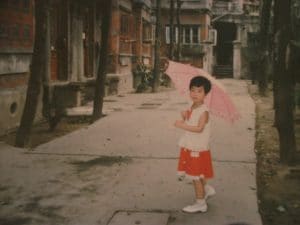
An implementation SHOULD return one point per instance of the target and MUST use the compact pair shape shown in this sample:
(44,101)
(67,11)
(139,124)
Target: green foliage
(143,76)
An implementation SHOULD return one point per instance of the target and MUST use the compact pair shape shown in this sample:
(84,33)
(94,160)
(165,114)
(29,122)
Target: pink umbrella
(217,100)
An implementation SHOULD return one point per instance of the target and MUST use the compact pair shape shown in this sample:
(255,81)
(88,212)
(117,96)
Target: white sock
(201,201)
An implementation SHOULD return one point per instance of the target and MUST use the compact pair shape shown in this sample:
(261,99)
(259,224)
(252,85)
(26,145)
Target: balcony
(192,50)
(194,4)
(251,8)
(233,7)
(191,4)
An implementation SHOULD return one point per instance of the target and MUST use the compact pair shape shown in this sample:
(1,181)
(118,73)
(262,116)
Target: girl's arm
(184,114)
(197,129)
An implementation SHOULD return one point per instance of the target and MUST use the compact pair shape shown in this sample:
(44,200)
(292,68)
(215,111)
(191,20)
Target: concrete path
(122,169)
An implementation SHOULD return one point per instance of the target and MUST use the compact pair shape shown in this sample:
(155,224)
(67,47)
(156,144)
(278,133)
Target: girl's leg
(206,189)
(200,204)
(199,188)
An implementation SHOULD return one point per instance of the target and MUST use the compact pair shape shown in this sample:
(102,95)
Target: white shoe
(209,191)
(199,206)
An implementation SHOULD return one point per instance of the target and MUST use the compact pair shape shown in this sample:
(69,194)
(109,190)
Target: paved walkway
(122,169)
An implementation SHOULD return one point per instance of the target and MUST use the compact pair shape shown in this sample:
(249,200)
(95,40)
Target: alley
(123,168)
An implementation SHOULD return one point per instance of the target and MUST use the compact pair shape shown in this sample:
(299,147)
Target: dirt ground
(41,134)
(278,185)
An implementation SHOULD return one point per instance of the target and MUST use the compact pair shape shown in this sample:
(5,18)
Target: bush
(143,76)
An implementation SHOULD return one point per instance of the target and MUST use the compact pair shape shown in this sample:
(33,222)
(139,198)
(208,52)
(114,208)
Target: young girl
(195,160)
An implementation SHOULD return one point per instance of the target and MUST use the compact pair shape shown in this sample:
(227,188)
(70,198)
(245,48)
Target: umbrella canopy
(217,100)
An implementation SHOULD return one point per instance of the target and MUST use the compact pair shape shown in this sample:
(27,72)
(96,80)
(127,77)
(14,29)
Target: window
(186,35)
(26,32)
(127,27)
(168,37)
(124,25)
(3,31)
(195,35)
(147,31)
(15,3)
(190,34)
(15,31)
(26,4)
(167,34)
(213,36)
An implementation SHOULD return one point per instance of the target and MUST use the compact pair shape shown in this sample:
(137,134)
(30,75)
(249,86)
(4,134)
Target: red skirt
(195,164)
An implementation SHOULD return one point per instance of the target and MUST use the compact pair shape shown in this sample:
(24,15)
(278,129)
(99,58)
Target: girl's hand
(184,114)
(179,123)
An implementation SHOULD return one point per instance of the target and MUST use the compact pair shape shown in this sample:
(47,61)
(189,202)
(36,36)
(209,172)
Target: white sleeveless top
(196,141)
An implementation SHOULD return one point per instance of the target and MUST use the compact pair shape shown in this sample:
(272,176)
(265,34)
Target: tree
(264,54)
(171,50)
(37,69)
(156,69)
(101,73)
(178,9)
(284,81)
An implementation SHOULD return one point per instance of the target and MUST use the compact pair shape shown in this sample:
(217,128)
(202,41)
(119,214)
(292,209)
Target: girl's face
(197,94)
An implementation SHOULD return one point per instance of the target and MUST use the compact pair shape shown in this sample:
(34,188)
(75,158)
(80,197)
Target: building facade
(73,47)
(216,34)
(197,35)
(131,42)
(235,21)
(16,44)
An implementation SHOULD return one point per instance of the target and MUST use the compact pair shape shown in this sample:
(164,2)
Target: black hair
(200,81)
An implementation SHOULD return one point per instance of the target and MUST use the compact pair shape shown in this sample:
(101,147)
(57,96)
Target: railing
(251,8)
(222,7)
(200,4)
(192,50)
(191,4)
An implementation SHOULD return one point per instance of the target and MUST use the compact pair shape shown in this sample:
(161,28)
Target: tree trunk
(178,9)
(264,55)
(156,70)
(285,82)
(37,69)
(171,50)
(101,73)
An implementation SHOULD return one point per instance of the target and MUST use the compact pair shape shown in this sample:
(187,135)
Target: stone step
(79,111)
(223,71)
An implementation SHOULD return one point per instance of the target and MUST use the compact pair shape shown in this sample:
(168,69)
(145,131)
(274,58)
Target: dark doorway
(224,49)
